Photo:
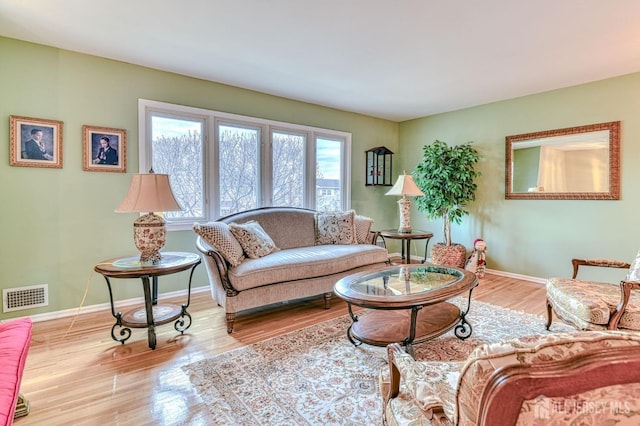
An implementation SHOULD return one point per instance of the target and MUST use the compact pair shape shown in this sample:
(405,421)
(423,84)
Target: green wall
(58,223)
(530,237)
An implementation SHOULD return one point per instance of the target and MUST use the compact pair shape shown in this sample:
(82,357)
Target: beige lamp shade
(405,186)
(149,192)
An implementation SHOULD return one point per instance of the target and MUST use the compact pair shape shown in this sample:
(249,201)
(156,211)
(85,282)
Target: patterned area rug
(316,377)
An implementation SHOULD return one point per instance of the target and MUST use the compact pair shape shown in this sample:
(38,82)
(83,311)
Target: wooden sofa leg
(231,317)
(327,300)
(549,314)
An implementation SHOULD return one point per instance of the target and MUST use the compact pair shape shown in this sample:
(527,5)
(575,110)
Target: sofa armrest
(373,238)
(428,383)
(606,263)
(220,263)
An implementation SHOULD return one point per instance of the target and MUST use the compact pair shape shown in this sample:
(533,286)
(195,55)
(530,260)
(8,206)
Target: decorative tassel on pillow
(477,260)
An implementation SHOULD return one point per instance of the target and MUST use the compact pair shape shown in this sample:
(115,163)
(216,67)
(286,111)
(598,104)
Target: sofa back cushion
(218,235)
(254,240)
(288,227)
(336,227)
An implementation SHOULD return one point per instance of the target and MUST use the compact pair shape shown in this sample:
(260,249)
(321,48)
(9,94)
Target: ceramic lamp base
(404,205)
(149,235)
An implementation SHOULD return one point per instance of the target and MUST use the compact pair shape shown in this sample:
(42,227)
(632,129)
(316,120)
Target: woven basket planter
(454,255)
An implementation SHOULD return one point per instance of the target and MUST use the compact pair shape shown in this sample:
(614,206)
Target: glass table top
(405,280)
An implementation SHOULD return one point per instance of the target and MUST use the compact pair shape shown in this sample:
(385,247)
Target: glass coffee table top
(405,280)
(406,285)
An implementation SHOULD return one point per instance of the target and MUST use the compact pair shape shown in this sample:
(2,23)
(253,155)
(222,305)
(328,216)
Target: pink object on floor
(15,338)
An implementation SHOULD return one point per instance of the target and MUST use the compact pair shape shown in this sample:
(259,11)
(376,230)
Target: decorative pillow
(336,227)
(218,236)
(363,226)
(253,239)
(634,270)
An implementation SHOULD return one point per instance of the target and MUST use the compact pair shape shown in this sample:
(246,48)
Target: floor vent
(17,299)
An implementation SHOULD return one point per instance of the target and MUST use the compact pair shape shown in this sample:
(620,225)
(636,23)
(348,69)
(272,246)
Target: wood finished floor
(83,377)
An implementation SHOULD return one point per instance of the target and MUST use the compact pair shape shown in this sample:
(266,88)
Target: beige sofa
(589,377)
(312,252)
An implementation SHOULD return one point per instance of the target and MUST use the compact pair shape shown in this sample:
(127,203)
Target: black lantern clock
(378,169)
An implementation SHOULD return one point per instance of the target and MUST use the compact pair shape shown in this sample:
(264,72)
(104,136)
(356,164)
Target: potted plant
(446,175)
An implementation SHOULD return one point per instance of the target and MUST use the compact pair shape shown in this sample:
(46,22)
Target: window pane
(328,177)
(176,146)
(288,169)
(239,149)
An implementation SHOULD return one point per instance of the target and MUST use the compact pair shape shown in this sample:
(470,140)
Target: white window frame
(210,153)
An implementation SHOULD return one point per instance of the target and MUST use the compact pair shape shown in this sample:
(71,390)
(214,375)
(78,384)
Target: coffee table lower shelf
(381,327)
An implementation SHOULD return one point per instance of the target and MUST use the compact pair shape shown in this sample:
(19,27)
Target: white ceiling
(398,60)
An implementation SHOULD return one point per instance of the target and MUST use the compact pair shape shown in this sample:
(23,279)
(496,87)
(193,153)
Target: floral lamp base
(404,205)
(149,235)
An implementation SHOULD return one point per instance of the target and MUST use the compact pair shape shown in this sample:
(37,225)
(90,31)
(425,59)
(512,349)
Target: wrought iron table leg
(179,325)
(408,342)
(125,332)
(354,318)
(154,281)
(148,306)
(464,329)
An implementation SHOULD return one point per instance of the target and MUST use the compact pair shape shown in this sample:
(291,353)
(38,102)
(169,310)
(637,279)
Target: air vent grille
(20,298)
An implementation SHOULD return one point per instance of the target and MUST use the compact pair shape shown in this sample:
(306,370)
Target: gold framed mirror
(575,163)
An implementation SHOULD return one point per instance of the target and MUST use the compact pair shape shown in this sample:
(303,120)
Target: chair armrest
(625,294)
(428,394)
(607,263)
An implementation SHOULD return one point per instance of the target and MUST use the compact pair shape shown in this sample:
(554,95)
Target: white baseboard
(106,306)
(490,271)
(140,300)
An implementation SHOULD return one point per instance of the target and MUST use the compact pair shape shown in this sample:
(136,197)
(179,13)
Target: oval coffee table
(408,303)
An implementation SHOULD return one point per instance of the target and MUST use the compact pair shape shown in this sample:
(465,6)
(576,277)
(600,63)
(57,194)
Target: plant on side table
(446,174)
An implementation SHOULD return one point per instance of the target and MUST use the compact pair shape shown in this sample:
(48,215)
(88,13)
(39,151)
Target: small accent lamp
(149,192)
(405,186)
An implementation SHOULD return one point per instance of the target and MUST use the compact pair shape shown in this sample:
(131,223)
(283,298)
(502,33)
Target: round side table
(406,238)
(153,313)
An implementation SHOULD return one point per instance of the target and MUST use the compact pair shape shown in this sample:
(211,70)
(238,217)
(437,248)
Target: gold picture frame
(35,142)
(104,149)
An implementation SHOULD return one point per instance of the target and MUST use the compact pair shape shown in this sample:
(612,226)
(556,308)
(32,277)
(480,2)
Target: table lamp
(149,192)
(405,186)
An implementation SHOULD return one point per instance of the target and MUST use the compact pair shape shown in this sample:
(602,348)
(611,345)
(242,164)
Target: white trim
(210,158)
(490,271)
(140,300)
(106,306)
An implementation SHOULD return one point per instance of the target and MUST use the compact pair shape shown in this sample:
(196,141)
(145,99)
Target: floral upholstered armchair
(592,305)
(586,377)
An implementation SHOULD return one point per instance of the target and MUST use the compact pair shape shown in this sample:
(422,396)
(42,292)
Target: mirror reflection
(572,163)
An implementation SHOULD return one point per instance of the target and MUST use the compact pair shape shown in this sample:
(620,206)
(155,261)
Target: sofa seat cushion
(590,302)
(304,262)
(15,339)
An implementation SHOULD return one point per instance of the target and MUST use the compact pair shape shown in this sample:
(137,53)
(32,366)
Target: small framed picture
(35,142)
(104,149)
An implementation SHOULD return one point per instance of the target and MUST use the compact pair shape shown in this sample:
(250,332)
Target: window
(220,163)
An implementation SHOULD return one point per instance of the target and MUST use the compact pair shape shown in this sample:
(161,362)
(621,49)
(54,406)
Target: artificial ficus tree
(446,174)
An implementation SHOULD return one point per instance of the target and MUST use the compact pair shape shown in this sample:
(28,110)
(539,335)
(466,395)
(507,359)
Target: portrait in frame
(104,149)
(35,142)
